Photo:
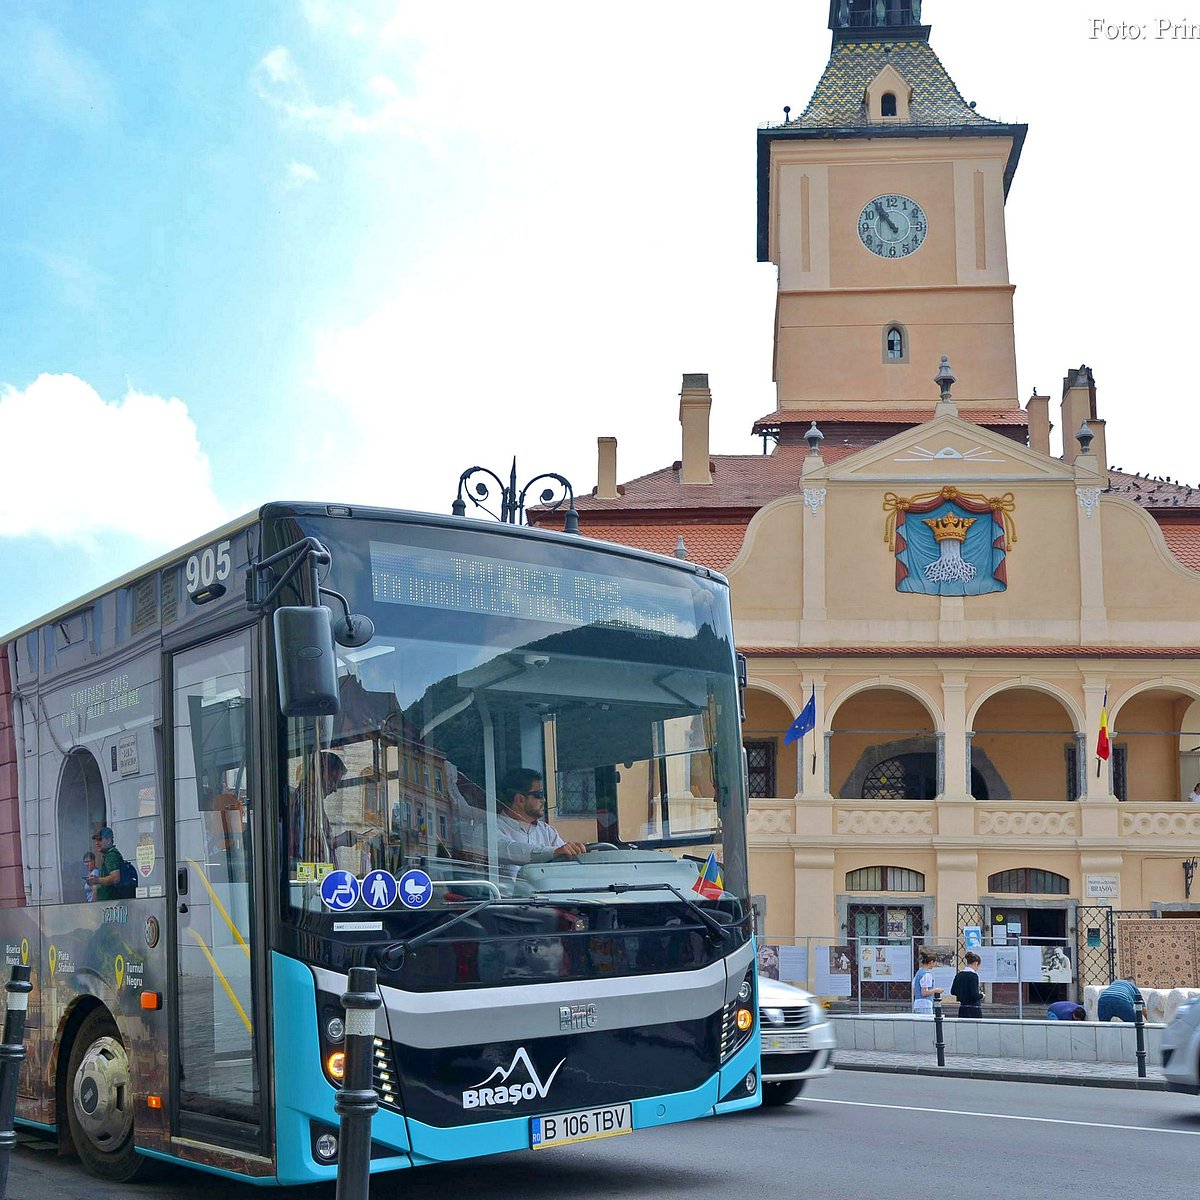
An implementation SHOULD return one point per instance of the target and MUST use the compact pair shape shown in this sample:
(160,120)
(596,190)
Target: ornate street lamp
(512,501)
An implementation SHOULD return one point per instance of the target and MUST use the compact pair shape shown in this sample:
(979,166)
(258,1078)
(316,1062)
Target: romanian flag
(711,884)
(1102,745)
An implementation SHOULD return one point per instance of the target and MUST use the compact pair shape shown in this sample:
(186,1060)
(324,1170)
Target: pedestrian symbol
(379,889)
(339,890)
(416,889)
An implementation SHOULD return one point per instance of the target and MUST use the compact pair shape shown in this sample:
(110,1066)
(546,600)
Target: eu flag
(806,722)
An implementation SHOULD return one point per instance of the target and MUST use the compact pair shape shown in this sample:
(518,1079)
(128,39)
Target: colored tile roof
(1184,542)
(745,481)
(713,546)
(839,99)
(1153,493)
(829,413)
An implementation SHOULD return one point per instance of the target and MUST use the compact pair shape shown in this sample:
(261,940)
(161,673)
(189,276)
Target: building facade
(965,610)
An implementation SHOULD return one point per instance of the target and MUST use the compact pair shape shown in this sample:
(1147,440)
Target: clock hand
(891,224)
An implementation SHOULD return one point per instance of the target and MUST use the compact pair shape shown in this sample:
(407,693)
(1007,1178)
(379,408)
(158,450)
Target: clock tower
(882,206)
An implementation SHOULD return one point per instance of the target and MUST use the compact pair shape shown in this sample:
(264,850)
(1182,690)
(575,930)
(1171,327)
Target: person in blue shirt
(1066,1010)
(1117,1000)
(923,987)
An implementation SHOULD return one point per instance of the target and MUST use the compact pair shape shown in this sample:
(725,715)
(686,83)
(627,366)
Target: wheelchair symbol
(339,890)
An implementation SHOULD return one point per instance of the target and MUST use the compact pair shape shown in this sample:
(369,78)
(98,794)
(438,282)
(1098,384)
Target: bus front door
(218,1095)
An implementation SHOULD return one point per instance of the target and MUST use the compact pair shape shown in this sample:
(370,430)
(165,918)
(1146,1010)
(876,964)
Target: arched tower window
(887,104)
(893,343)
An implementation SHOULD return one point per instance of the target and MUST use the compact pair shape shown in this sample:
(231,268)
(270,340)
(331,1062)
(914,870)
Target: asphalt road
(853,1136)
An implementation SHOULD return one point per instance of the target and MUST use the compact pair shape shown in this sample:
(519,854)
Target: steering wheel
(601,846)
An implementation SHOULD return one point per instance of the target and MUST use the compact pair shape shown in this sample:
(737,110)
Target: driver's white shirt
(518,842)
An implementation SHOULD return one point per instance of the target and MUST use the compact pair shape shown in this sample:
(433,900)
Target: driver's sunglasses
(538,795)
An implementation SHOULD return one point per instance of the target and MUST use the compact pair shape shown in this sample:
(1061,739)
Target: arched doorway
(1024,746)
(81,811)
(882,746)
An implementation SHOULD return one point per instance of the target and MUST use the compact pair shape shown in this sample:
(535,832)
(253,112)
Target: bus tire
(784,1092)
(99,1100)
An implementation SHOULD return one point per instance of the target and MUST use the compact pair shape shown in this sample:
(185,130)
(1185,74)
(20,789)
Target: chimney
(1038,408)
(695,401)
(606,468)
(1078,405)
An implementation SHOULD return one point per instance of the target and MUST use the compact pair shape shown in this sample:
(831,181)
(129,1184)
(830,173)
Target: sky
(341,251)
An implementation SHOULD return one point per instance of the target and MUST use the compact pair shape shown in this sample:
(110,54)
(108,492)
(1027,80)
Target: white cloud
(299,174)
(89,468)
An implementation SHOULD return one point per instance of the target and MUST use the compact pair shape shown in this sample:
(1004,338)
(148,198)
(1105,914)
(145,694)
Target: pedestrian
(1117,1001)
(90,875)
(923,988)
(1066,1010)
(1195,796)
(966,988)
(108,863)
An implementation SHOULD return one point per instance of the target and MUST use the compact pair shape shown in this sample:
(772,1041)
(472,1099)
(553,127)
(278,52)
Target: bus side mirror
(308,682)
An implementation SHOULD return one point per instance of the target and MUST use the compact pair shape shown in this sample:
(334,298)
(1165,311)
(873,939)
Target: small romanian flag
(1102,744)
(711,884)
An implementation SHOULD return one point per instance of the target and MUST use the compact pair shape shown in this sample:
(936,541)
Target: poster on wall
(831,970)
(885,964)
(793,965)
(1055,964)
(768,962)
(998,964)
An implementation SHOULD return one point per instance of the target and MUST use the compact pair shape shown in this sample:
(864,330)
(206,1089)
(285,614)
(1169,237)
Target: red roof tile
(1156,494)
(713,546)
(1184,542)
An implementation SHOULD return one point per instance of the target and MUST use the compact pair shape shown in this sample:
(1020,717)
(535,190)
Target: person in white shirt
(523,836)
(1195,796)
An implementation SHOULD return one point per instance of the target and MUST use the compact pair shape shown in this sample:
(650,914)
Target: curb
(1103,1081)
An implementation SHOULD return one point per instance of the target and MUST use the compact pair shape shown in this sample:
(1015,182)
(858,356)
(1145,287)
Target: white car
(797,1040)
(1181,1050)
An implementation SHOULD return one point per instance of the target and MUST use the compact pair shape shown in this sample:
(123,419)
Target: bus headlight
(326,1147)
(335,1066)
(744,991)
(745,1020)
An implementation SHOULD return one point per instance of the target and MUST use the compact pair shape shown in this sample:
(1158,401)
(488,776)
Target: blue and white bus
(295,735)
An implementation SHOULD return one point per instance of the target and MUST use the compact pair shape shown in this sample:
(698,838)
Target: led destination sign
(500,587)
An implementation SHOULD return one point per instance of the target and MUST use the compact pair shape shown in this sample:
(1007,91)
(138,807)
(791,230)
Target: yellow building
(957,602)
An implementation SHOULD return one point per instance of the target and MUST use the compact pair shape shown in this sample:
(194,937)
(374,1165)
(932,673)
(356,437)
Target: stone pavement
(1018,1070)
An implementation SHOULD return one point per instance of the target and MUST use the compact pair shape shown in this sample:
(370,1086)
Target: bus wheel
(100,1100)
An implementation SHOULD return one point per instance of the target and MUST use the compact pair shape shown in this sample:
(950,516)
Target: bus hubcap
(103,1098)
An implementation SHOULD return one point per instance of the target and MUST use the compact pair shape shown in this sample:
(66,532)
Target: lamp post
(512,500)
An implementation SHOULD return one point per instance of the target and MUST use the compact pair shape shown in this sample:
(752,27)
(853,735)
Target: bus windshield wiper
(394,954)
(714,926)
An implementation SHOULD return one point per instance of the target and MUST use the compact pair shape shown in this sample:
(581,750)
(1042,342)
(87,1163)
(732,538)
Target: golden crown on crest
(950,527)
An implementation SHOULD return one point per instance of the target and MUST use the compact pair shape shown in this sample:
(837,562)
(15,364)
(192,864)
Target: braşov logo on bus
(482,1096)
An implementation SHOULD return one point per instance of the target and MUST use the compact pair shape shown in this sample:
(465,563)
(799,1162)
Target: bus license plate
(785,1041)
(583,1125)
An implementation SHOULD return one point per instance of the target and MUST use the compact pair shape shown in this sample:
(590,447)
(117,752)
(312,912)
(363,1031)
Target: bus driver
(523,834)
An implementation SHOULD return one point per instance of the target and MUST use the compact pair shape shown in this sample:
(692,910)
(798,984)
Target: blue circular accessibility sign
(339,890)
(379,889)
(416,889)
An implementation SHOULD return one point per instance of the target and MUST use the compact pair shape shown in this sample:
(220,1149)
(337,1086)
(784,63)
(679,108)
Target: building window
(1071,755)
(760,765)
(1031,881)
(904,777)
(895,344)
(887,104)
(885,879)
(1120,777)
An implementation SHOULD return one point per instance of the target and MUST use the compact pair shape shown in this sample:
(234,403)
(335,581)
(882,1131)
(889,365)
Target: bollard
(356,1101)
(12,1052)
(1139,1030)
(939,1039)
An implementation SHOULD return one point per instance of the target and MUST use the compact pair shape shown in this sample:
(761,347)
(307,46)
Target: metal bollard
(1139,1030)
(356,1102)
(939,1036)
(12,1053)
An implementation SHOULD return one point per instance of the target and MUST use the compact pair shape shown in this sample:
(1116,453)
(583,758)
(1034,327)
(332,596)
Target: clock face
(892,226)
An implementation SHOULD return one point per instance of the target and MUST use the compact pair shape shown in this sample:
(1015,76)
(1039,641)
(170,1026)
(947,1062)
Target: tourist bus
(297,731)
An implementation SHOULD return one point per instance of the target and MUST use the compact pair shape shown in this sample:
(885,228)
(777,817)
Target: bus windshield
(532,719)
